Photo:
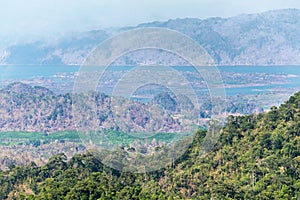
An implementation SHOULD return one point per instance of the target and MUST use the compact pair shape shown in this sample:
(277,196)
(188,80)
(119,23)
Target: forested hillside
(256,157)
(37,109)
(27,108)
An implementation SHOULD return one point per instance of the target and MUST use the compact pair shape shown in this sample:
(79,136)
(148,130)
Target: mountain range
(269,38)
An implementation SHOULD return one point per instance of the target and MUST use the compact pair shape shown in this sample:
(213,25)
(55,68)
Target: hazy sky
(43,17)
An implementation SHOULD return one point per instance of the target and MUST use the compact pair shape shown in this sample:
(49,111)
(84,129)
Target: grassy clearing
(109,137)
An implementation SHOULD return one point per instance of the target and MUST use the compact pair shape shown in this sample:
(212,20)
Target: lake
(245,80)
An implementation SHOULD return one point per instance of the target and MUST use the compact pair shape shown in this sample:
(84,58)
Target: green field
(109,137)
(19,138)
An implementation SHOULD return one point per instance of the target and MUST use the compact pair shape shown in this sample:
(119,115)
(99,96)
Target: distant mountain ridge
(269,38)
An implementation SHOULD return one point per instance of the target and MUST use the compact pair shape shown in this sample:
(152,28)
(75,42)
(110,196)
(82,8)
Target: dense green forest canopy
(256,157)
